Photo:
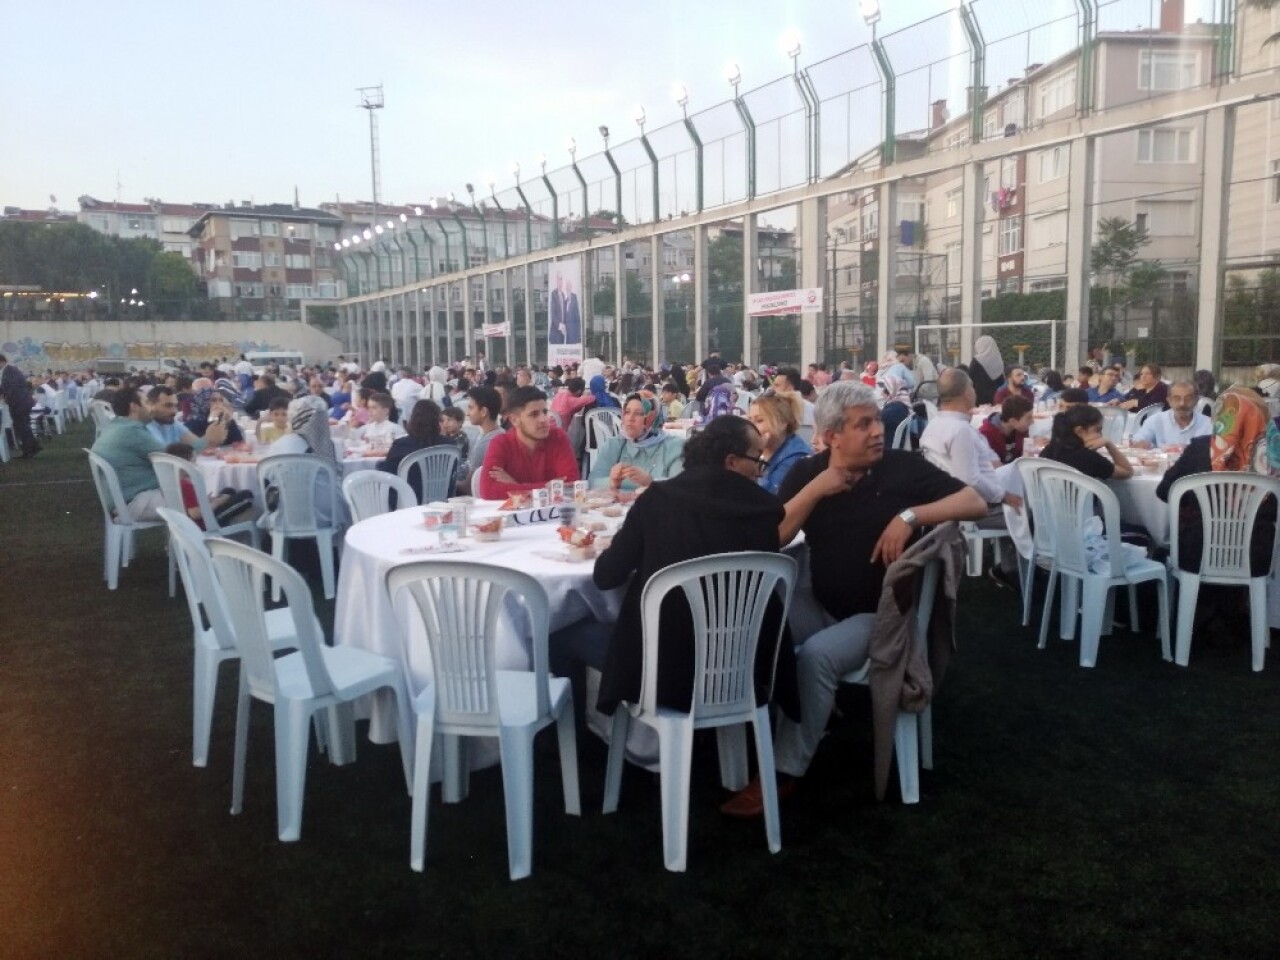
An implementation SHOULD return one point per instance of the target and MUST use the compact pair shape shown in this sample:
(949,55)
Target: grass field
(1129,810)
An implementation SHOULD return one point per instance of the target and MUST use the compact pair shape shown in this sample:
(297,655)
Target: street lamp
(870,10)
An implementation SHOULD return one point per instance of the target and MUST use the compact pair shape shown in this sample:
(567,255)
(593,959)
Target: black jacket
(702,511)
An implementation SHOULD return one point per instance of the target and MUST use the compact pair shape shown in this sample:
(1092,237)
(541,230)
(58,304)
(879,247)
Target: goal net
(1032,344)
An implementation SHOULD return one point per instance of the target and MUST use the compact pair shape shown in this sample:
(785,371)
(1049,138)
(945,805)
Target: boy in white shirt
(380,431)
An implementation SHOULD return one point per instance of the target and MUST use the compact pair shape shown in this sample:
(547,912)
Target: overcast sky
(246,99)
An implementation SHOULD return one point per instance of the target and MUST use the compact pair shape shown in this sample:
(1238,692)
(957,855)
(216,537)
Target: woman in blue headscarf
(642,452)
(597,388)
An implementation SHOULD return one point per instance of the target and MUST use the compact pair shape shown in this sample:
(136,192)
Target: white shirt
(245,367)
(405,390)
(952,436)
(381,433)
(1161,429)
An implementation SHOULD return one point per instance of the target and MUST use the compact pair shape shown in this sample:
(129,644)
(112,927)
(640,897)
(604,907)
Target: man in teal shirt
(126,444)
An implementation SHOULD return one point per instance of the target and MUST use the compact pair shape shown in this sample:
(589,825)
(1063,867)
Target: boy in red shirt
(1006,430)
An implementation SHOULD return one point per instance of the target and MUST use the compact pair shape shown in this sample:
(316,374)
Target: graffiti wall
(72,345)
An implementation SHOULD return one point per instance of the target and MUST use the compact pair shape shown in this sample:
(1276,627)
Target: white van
(275,358)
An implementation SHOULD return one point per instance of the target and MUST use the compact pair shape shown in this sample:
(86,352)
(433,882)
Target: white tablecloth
(1139,504)
(365,618)
(219,473)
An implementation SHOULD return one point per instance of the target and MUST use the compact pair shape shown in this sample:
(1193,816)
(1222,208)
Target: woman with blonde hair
(777,417)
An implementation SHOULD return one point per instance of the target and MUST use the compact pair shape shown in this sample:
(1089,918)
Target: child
(276,423)
(451,426)
(227,503)
(380,431)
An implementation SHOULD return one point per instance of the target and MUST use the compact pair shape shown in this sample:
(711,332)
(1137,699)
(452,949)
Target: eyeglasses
(760,462)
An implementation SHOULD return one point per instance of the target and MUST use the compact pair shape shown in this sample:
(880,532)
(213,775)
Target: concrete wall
(74,344)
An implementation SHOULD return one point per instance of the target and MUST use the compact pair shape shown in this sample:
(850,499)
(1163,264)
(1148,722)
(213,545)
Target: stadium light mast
(371,99)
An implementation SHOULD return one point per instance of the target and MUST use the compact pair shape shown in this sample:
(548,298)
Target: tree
(323,318)
(1265,5)
(613,217)
(1126,279)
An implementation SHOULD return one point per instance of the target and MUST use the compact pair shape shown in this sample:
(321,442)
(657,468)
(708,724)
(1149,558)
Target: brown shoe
(749,801)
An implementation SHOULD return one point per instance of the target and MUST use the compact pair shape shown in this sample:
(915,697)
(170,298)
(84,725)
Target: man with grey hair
(859,506)
(1178,425)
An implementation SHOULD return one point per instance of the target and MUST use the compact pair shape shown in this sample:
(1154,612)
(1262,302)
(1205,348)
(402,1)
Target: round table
(366,619)
(242,472)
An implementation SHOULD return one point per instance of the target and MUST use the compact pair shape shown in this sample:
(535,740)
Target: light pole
(528,210)
(572,146)
(617,179)
(870,10)
(791,47)
(502,213)
(681,95)
(555,201)
(638,116)
(466,247)
(734,75)
(484,224)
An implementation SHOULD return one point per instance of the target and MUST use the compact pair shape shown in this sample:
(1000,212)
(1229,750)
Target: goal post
(1026,343)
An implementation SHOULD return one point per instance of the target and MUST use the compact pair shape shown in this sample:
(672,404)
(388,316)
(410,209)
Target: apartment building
(166,223)
(261,262)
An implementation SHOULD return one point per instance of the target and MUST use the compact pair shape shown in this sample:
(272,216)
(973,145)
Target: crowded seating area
(438,564)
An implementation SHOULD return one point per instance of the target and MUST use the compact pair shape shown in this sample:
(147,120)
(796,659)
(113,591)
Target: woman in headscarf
(926,378)
(309,433)
(1246,439)
(986,370)
(597,387)
(230,393)
(897,404)
(642,452)
(436,388)
(197,420)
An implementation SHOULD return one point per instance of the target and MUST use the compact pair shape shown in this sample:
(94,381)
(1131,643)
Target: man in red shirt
(1006,430)
(528,455)
(1015,386)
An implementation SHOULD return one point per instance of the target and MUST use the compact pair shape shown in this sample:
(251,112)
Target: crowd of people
(774,452)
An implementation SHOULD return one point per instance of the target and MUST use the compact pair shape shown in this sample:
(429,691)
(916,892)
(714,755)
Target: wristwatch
(909,517)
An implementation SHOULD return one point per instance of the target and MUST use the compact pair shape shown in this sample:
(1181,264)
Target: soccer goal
(1028,343)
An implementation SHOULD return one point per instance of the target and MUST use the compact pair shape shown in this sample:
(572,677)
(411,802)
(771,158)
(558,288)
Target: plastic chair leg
(1162,596)
(324,543)
(455,783)
(1096,596)
(1027,572)
(1069,609)
(339,722)
(278,544)
(1188,593)
(617,757)
(1048,607)
(906,748)
(1108,615)
(421,789)
(204,691)
(675,756)
(112,548)
(731,743)
(973,556)
(567,735)
(768,778)
(1258,620)
(1133,608)
(925,724)
(242,744)
(293,729)
(516,747)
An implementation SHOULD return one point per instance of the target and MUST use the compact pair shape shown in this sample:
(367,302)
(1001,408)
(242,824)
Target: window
(249,259)
(138,221)
(1053,163)
(270,228)
(1275,179)
(327,290)
(958,139)
(298,231)
(990,123)
(271,259)
(988,244)
(250,291)
(182,248)
(1048,230)
(1009,285)
(323,233)
(1057,93)
(1015,106)
(1166,218)
(176,225)
(98,221)
(870,222)
(954,261)
(1167,69)
(243,228)
(1165,145)
(1010,235)
(298,291)
(297,261)
(911,208)
(1053,283)
(1009,171)
(954,199)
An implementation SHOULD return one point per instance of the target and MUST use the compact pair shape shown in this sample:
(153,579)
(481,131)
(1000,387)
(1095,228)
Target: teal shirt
(125,443)
(661,461)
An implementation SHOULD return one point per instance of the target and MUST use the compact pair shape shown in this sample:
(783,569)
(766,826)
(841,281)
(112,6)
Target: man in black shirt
(859,506)
(264,391)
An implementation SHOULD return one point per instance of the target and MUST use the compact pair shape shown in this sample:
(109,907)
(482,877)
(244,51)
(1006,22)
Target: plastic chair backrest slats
(728,594)
(368,493)
(438,466)
(1229,504)
(198,578)
(1029,469)
(241,571)
(460,606)
(1069,497)
(169,470)
(307,484)
(110,495)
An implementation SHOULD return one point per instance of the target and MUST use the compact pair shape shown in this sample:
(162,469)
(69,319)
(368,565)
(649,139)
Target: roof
(38,216)
(266,211)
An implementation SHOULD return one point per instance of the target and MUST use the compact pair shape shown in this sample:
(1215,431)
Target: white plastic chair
(118,525)
(1229,504)
(1115,421)
(601,423)
(309,493)
(101,413)
(298,685)
(212,636)
(1143,415)
(902,435)
(912,732)
(459,606)
(552,416)
(1040,554)
(474,433)
(805,432)
(437,467)
(727,594)
(170,470)
(368,494)
(5,456)
(974,535)
(1067,498)
(57,403)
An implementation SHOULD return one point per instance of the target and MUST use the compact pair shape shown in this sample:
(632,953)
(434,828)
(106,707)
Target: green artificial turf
(1128,810)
